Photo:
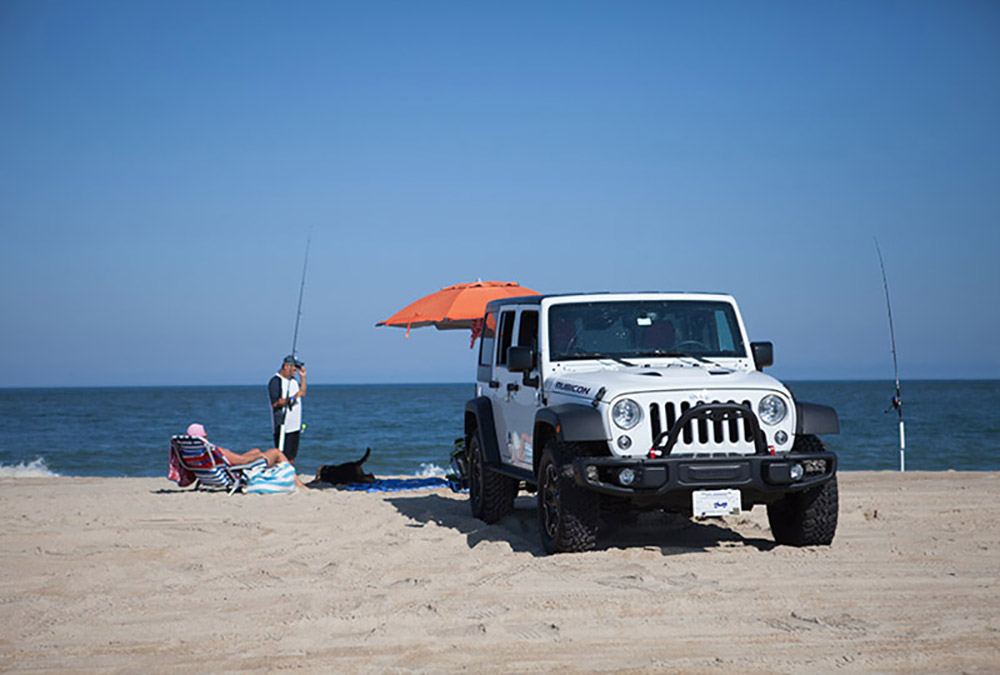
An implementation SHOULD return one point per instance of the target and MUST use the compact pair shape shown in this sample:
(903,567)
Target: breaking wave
(428,470)
(34,469)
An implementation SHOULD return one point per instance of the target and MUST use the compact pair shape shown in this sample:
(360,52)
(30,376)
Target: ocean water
(411,427)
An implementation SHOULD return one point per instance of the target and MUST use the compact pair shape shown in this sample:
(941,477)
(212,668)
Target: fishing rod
(302,288)
(295,340)
(897,400)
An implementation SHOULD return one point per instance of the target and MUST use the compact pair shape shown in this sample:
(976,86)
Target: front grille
(700,435)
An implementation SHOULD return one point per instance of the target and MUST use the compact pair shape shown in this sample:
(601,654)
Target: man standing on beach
(286,393)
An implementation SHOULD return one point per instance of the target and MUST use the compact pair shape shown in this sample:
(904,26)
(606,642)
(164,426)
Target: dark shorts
(291,443)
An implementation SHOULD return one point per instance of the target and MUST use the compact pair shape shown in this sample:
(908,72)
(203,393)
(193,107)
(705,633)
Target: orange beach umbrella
(458,306)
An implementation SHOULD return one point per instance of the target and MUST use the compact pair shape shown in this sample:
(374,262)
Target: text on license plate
(716,503)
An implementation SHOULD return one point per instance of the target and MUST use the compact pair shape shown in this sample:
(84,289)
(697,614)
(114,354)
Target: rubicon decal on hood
(573,388)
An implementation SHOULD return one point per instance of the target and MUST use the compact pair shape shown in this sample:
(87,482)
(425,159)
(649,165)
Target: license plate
(707,503)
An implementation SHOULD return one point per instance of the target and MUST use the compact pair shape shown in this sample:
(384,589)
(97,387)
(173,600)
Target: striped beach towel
(270,480)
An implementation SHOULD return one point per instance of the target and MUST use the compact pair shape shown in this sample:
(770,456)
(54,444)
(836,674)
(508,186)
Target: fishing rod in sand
(295,342)
(897,400)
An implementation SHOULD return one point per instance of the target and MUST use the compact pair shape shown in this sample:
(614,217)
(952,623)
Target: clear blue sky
(161,164)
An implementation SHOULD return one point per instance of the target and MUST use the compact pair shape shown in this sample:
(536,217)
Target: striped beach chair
(208,465)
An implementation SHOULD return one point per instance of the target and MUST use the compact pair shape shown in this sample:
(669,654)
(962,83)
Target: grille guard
(662,478)
(664,443)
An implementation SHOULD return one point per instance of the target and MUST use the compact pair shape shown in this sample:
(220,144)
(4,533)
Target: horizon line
(6,388)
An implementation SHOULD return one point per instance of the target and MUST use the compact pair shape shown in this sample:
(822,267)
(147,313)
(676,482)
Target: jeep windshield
(644,328)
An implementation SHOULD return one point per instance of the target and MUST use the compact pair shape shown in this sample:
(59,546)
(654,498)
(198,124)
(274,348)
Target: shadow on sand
(190,489)
(671,534)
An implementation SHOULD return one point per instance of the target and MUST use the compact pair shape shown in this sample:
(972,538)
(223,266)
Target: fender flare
(479,420)
(572,422)
(814,418)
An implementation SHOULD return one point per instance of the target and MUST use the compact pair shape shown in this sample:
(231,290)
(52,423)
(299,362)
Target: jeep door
(514,401)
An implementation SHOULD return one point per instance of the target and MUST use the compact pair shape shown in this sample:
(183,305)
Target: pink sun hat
(196,429)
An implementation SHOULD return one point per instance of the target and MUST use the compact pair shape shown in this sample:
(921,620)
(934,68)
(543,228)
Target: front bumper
(761,478)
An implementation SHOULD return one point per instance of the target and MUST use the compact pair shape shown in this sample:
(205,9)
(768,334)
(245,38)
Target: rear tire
(491,495)
(567,514)
(807,518)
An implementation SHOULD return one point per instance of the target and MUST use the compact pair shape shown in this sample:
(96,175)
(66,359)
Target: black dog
(348,472)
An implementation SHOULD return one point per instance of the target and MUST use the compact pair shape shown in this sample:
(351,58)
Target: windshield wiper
(597,355)
(677,355)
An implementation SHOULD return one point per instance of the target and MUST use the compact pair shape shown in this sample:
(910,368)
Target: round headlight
(772,409)
(626,413)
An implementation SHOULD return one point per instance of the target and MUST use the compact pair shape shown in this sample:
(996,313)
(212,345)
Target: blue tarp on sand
(398,484)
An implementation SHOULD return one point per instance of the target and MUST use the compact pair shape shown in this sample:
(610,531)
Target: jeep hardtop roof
(537,299)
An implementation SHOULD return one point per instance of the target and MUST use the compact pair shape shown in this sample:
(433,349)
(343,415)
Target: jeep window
(506,337)
(527,331)
(487,339)
(625,329)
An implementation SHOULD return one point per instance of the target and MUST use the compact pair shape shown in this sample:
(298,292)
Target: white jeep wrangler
(641,401)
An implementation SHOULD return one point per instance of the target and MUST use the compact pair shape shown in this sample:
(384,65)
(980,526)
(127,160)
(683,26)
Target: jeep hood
(619,381)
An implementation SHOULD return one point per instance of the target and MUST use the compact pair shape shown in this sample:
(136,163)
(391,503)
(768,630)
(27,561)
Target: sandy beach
(133,575)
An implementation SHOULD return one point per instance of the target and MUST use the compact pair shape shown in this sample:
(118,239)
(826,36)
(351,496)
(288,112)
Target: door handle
(512,386)
(494,384)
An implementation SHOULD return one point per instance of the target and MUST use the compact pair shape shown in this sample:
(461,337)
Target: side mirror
(763,354)
(520,359)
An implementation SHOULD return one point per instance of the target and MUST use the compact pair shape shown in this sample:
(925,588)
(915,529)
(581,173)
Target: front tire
(567,514)
(491,495)
(807,518)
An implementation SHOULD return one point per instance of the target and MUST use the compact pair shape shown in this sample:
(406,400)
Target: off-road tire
(491,495)
(567,513)
(807,518)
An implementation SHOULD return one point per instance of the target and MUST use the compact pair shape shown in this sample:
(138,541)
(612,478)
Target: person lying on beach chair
(215,465)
